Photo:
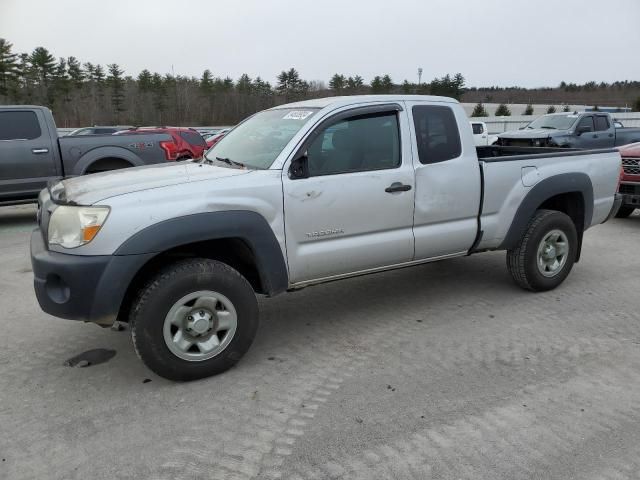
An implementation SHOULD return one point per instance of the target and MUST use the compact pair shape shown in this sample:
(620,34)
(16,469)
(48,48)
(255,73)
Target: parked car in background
(285,201)
(99,130)
(187,142)
(31,153)
(216,137)
(586,130)
(630,183)
(481,135)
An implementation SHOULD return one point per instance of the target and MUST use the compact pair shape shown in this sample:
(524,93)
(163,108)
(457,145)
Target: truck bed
(510,173)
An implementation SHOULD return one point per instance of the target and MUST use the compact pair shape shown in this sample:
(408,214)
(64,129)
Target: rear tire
(194,319)
(546,252)
(624,211)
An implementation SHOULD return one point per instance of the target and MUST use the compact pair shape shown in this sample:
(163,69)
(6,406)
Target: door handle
(397,187)
(611,134)
(39,150)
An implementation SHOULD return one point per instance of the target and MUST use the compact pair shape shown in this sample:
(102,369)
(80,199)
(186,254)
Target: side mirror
(581,130)
(299,168)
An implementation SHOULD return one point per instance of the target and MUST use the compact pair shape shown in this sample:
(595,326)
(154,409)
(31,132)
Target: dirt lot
(440,371)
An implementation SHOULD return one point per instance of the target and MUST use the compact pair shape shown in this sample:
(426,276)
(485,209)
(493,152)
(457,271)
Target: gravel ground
(446,370)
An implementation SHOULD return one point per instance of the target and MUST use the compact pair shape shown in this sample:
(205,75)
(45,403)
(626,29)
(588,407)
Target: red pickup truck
(630,184)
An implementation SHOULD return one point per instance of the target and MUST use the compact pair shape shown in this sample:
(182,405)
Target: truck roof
(355,99)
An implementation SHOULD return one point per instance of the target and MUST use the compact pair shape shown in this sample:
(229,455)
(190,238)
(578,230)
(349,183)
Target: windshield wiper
(228,161)
(548,128)
(231,162)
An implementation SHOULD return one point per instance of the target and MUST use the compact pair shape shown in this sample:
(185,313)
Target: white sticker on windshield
(572,116)
(297,115)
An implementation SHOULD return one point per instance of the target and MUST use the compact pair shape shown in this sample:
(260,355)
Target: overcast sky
(492,42)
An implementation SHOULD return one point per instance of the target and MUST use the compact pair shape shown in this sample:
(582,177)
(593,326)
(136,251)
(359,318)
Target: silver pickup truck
(298,195)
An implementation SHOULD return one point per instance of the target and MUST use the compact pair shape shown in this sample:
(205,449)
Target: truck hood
(90,189)
(533,133)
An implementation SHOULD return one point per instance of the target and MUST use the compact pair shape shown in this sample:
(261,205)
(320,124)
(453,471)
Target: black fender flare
(92,156)
(543,191)
(250,227)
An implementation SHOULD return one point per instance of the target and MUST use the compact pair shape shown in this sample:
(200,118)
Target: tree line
(84,93)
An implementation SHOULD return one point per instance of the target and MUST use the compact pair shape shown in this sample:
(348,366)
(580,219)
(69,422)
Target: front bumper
(81,287)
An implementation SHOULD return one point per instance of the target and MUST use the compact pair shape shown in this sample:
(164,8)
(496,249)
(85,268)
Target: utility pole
(419,76)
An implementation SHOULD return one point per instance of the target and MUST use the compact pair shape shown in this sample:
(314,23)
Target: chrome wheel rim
(552,253)
(200,325)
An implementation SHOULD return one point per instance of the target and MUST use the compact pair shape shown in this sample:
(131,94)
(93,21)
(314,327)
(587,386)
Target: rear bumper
(80,287)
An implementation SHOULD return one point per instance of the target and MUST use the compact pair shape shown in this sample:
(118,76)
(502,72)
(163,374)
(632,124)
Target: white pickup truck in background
(481,136)
(298,195)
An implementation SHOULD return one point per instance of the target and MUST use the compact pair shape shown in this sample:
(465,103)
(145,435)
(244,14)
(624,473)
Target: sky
(529,43)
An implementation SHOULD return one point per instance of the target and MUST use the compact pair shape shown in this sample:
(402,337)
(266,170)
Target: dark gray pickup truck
(586,130)
(31,153)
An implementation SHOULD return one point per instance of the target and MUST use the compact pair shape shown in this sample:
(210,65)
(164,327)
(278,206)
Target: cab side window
(477,128)
(19,126)
(360,143)
(587,122)
(437,133)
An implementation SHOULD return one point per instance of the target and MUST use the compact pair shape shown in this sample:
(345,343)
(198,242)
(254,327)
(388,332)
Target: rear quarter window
(437,134)
(19,126)
(602,123)
(193,138)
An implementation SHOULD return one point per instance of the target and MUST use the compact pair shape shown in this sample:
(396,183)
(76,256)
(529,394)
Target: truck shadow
(18,216)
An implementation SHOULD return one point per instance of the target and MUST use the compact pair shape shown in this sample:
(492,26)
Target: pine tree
(551,109)
(354,84)
(479,111)
(262,88)
(528,110)
(8,67)
(76,75)
(337,83)
(159,95)
(502,111)
(144,81)
(116,83)
(244,84)
(387,84)
(289,83)
(376,84)
(43,65)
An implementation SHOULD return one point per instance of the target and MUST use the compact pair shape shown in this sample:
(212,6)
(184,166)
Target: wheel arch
(102,153)
(570,193)
(242,239)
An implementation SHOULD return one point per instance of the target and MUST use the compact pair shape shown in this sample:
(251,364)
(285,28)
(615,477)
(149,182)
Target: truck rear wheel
(546,252)
(194,319)
(624,212)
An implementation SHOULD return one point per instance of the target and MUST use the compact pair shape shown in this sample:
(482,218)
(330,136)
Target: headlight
(71,226)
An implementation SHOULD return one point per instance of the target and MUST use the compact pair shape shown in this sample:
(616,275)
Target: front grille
(631,166)
(630,189)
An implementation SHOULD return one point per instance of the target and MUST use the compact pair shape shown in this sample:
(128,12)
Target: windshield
(555,122)
(257,142)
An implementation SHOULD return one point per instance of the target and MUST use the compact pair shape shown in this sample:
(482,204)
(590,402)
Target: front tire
(194,319)
(624,211)
(546,252)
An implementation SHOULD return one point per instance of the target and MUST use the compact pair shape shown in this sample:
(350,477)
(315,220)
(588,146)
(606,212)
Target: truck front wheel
(545,253)
(194,319)
(625,211)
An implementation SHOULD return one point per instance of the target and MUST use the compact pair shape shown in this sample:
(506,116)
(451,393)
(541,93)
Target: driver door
(354,210)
